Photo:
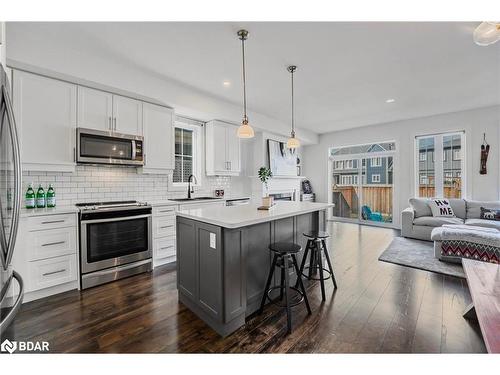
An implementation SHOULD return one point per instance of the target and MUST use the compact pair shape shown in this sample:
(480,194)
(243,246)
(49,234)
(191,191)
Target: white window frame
(377,179)
(459,152)
(197,157)
(422,156)
(376,162)
(438,158)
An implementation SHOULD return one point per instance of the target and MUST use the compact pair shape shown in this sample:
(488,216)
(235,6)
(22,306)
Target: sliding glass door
(362,183)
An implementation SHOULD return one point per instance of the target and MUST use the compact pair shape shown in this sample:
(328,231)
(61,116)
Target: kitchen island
(223,258)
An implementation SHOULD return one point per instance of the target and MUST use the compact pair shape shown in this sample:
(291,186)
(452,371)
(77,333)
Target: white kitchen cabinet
(45,113)
(95,109)
(222,149)
(127,115)
(158,131)
(164,234)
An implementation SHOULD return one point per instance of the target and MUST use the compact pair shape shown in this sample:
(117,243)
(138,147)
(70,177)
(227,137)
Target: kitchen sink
(193,199)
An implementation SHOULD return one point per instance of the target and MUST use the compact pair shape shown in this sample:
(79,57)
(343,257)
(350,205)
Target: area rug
(418,254)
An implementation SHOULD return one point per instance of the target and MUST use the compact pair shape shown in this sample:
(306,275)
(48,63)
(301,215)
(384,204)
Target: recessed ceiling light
(226,83)
(390,100)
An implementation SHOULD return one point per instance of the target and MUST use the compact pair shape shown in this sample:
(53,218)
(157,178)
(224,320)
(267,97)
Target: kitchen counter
(223,256)
(31,212)
(239,216)
(169,202)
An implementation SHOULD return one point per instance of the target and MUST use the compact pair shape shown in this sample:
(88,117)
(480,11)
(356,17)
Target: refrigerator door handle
(17,305)
(17,177)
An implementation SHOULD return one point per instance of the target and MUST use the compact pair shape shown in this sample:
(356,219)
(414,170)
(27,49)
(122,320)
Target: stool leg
(301,284)
(312,258)
(327,256)
(268,283)
(321,279)
(287,296)
(303,263)
(282,281)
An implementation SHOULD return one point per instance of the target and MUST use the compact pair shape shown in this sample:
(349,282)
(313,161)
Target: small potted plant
(264,175)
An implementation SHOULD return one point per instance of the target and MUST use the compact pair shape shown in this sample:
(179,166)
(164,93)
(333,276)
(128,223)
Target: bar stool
(317,246)
(284,258)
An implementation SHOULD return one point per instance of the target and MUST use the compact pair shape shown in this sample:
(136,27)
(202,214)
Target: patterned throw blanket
(477,235)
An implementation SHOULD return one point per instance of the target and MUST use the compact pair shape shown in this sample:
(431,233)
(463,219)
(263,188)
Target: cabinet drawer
(164,226)
(51,243)
(51,272)
(164,211)
(164,248)
(51,221)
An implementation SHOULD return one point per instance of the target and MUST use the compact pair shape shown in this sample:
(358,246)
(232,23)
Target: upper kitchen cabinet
(45,113)
(158,127)
(127,115)
(222,149)
(101,110)
(95,109)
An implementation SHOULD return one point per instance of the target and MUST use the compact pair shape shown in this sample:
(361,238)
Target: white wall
(474,122)
(38,50)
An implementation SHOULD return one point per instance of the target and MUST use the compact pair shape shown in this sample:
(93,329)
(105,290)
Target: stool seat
(317,234)
(285,247)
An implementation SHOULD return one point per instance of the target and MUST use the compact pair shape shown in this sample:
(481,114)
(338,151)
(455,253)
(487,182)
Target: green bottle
(40,197)
(51,196)
(30,197)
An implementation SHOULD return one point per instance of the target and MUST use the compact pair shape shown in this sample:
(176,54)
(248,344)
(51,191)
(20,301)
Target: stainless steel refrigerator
(11,283)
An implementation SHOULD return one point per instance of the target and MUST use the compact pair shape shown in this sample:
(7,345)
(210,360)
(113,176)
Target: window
(440,178)
(187,152)
(376,162)
(375,178)
(422,156)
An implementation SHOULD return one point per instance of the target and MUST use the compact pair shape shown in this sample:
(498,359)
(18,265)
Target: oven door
(101,147)
(111,242)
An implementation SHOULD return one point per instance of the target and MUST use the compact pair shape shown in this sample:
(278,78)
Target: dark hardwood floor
(379,307)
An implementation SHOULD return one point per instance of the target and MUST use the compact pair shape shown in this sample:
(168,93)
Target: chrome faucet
(191,189)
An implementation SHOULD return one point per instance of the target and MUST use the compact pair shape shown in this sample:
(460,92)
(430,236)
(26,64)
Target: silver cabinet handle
(166,226)
(53,243)
(230,166)
(53,272)
(162,211)
(109,123)
(53,222)
(166,247)
(74,154)
(115,124)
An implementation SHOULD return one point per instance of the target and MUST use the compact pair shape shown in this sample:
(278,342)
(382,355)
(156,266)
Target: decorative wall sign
(485,150)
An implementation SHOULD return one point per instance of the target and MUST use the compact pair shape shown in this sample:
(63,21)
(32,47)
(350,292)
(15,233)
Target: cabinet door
(158,126)
(95,109)
(45,112)
(127,115)
(233,148)
(219,149)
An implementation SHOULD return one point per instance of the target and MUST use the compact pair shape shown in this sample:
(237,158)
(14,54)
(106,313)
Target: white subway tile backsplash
(94,183)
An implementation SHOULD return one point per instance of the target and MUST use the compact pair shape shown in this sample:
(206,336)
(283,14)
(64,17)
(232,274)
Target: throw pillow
(441,207)
(490,214)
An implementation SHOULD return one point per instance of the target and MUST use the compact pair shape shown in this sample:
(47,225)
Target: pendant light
(292,141)
(245,130)
(487,33)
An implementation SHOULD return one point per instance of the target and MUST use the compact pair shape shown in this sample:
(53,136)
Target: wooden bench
(484,286)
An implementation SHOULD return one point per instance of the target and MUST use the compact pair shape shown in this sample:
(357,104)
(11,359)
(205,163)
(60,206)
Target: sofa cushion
(441,207)
(422,208)
(483,223)
(490,214)
(431,221)
(474,208)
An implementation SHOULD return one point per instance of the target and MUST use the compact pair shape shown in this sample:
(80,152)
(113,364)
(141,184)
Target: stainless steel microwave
(106,147)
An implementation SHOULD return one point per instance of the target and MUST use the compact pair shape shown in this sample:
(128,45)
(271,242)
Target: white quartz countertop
(169,202)
(25,212)
(241,216)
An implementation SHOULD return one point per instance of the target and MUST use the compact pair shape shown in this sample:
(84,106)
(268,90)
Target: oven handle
(116,219)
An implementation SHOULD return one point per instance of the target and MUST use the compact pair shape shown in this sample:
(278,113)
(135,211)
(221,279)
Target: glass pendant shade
(245,130)
(487,33)
(293,142)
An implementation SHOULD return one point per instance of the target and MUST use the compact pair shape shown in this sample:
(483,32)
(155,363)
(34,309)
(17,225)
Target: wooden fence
(377,197)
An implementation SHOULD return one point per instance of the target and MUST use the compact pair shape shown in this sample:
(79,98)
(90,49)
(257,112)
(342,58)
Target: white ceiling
(346,71)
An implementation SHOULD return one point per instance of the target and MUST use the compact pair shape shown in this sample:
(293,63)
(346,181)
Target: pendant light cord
(293,120)
(244,81)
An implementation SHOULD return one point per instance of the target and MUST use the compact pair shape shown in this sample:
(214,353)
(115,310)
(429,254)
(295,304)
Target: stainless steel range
(115,241)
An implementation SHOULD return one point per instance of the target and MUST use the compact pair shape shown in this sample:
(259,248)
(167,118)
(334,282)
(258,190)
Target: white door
(219,142)
(95,109)
(45,112)
(158,125)
(233,149)
(127,115)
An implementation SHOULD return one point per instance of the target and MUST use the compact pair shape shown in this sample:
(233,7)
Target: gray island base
(223,258)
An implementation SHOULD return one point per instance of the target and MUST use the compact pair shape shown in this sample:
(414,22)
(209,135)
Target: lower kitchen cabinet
(164,234)
(46,254)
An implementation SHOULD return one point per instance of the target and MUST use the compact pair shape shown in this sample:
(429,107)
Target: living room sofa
(417,220)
